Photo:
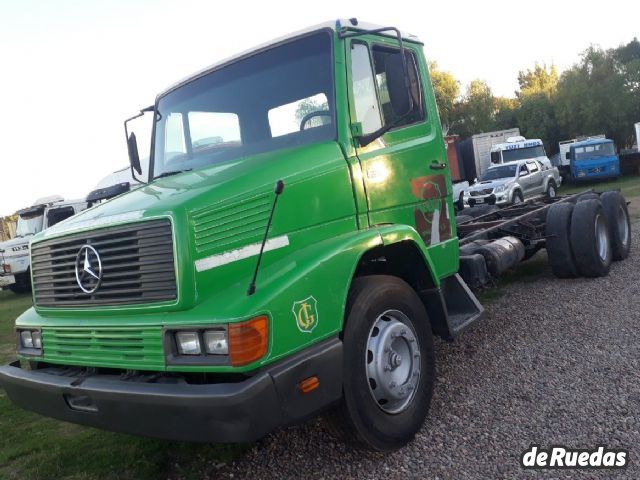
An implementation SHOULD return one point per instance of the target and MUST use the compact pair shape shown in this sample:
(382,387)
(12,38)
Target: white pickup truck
(512,183)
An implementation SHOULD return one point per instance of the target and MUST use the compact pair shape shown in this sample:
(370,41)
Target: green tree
(538,80)
(596,96)
(447,90)
(476,112)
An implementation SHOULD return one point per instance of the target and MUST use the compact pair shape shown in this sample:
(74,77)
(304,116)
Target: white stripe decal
(240,254)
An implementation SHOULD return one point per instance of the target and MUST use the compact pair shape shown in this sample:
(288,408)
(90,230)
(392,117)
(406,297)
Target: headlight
(188,343)
(26,339)
(500,188)
(215,342)
(29,342)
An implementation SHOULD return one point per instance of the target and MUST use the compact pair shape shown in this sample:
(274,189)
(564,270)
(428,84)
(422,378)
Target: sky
(71,71)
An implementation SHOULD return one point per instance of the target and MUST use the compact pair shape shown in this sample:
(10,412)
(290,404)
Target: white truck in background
(14,253)
(476,151)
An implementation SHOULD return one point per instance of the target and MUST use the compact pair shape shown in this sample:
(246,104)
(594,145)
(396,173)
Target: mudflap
(452,307)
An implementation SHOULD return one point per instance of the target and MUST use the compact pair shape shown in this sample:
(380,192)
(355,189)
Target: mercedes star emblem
(88,269)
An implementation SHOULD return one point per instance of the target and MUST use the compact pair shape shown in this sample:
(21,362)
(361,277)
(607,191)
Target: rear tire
(615,209)
(590,239)
(558,234)
(374,413)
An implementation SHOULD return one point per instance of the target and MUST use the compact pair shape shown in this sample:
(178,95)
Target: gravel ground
(555,362)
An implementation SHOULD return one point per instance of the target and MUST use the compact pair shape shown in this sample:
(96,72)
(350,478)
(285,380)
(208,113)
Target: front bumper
(171,408)
(501,198)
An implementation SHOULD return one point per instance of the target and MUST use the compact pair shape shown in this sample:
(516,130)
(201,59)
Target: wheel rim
(552,191)
(623,226)
(392,361)
(602,238)
(517,199)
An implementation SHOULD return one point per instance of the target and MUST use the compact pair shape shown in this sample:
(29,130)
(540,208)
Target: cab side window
(533,167)
(380,56)
(523,170)
(364,89)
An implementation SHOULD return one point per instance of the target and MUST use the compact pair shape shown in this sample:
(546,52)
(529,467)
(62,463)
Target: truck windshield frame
(525,153)
(594,150)
(29,225)
(276,98)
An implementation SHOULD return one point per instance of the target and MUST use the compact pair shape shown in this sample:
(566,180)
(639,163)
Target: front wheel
(517,198)
(552,190)
(388,365)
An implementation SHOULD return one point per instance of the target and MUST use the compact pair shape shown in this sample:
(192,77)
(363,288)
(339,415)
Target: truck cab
(293,248)
(520,148)
(595,158)
(14,253)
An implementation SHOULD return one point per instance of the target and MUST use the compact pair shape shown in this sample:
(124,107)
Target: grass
(35,447)
(628,185)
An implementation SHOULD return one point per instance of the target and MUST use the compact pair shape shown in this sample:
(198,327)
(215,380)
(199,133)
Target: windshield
(592,151)
(523,153)
(503,171)
(29,225)
(279,98)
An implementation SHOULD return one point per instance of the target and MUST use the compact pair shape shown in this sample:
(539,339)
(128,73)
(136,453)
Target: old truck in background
(14,253)
(593,159)
(294,251)
(476,151)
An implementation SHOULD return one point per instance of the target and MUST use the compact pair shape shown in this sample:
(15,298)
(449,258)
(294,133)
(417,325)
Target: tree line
(599,94)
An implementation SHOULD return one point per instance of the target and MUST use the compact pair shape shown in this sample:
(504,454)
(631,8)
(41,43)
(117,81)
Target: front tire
(552,189)
(388,367)
(517,198)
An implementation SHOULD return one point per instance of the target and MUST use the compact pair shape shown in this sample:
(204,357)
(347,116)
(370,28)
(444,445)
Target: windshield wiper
(171,172)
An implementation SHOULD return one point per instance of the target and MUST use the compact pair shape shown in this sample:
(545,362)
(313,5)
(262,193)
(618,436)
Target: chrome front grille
(137,266)
(485,191)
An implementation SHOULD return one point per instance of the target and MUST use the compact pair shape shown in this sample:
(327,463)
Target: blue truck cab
(594,159)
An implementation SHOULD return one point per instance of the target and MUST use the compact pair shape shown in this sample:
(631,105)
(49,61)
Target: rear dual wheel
(584,238)
(388,365)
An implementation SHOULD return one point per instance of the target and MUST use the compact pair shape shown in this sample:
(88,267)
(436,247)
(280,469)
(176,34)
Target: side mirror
(134,159)
(398,84)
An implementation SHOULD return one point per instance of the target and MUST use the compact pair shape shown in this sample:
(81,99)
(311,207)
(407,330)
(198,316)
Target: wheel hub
(392,361)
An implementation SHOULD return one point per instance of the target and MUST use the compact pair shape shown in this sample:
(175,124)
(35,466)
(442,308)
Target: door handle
(438,166)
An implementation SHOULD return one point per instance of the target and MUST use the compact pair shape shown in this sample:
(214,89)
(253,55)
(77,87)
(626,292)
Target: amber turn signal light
(309,384)
(248,340)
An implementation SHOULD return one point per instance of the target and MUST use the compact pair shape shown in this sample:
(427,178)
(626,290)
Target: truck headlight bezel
(29,342)
(233,344)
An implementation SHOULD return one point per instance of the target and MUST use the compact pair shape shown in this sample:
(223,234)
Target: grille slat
(231,223)
(137,265)
(135,348)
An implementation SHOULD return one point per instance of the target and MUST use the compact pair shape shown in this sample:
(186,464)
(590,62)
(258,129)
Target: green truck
(293,249)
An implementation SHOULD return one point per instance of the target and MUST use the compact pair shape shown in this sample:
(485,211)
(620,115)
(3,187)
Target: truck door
(405,171)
